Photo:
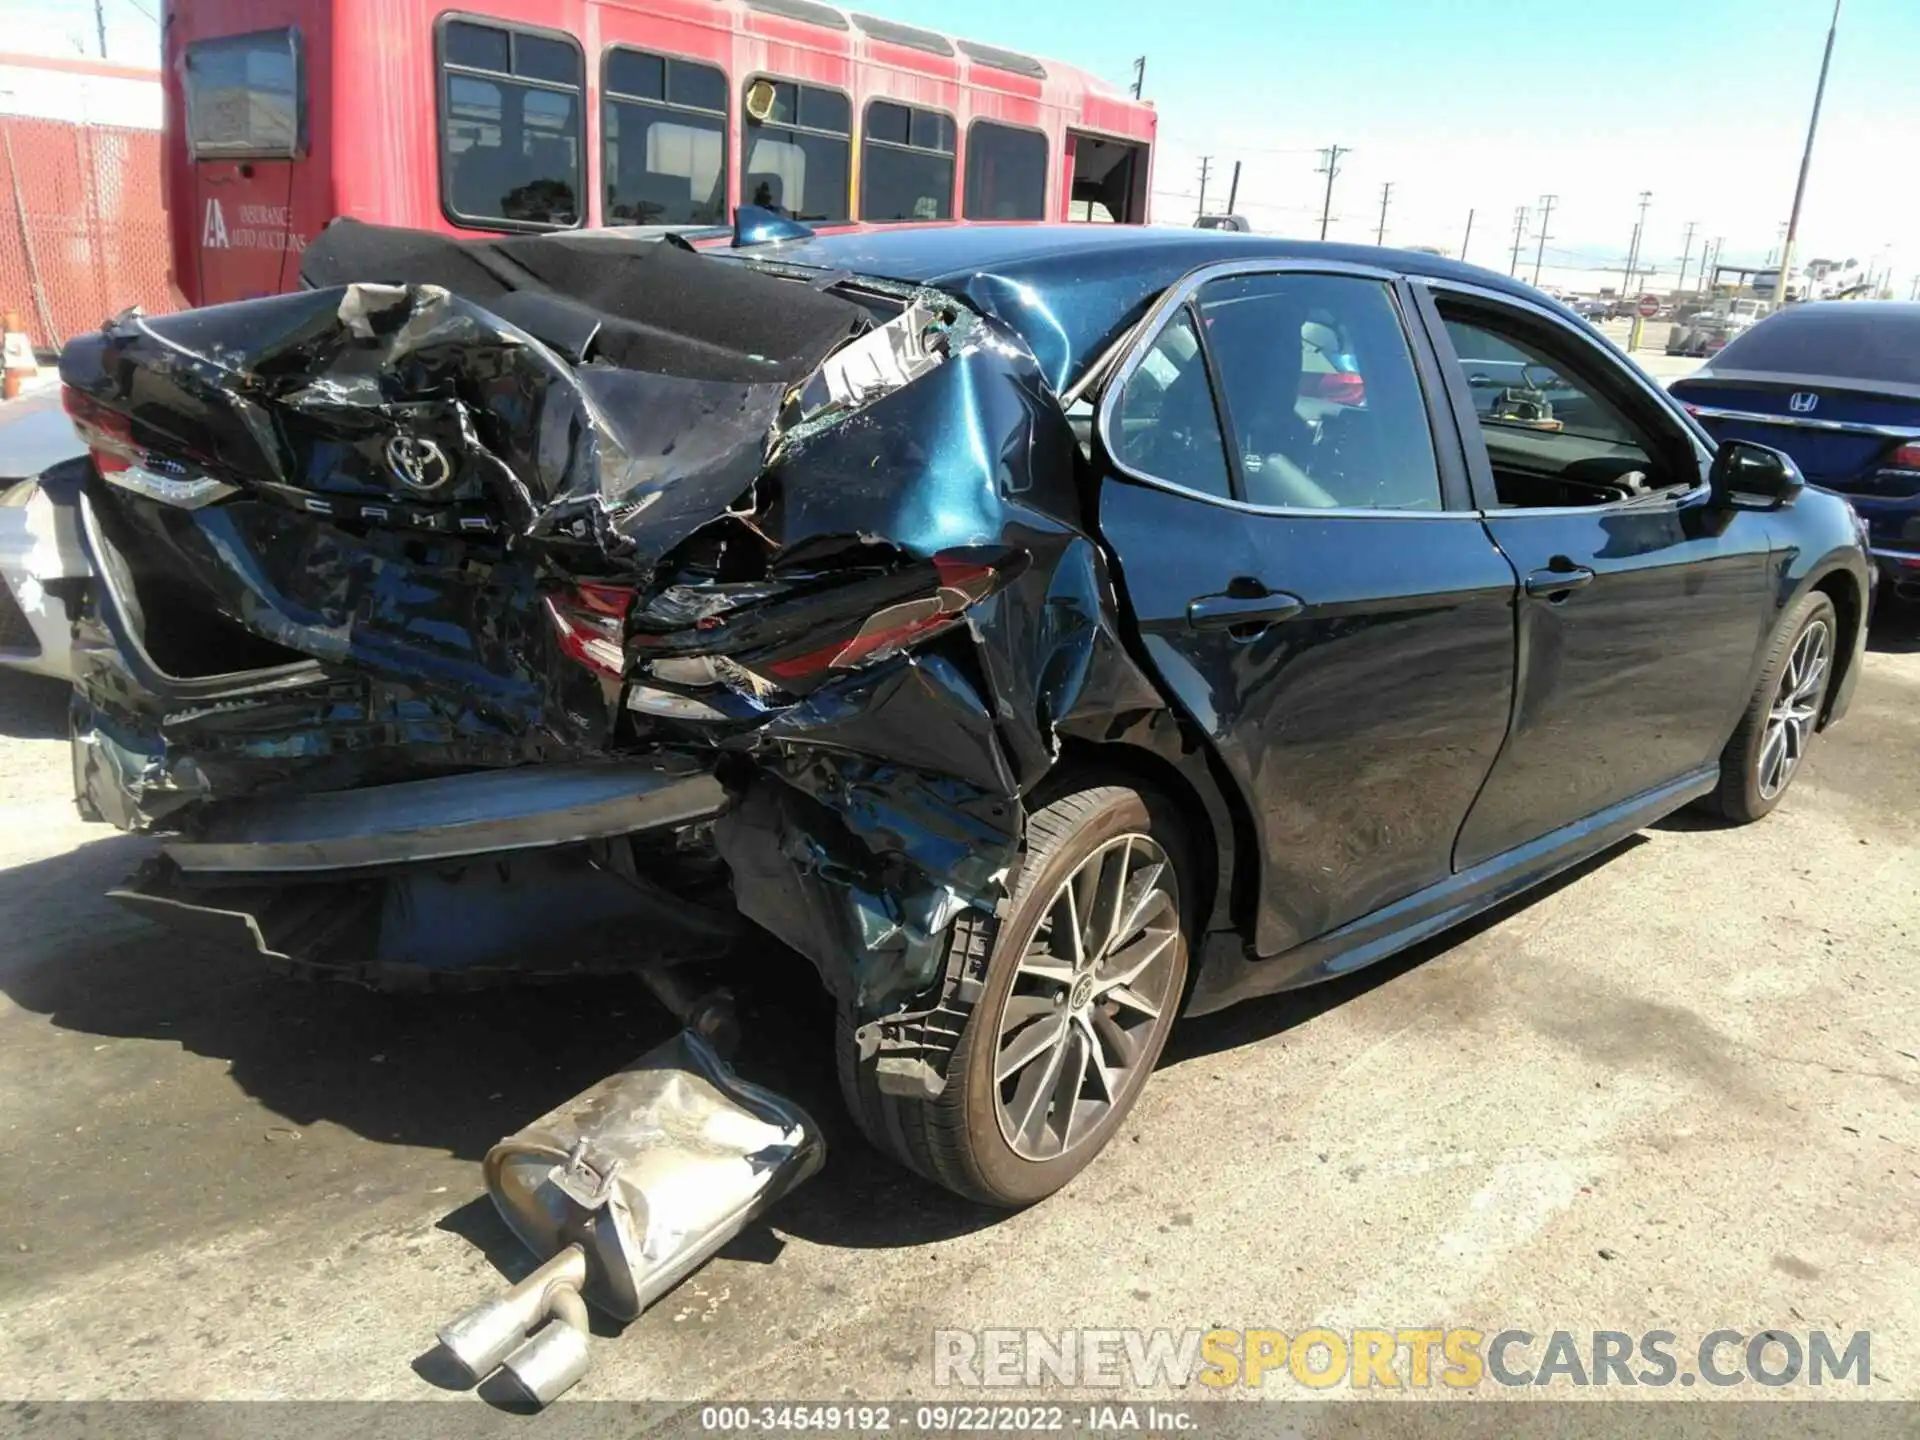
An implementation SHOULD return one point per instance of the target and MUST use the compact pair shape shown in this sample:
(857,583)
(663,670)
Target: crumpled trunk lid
(577,498)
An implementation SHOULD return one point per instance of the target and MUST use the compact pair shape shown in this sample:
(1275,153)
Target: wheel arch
(1843,588)
(1219,832)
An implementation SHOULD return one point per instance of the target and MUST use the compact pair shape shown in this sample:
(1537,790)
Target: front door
(1341,633)
(1642,605)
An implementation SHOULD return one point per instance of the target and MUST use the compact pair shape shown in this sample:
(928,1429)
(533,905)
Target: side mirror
(1746,476)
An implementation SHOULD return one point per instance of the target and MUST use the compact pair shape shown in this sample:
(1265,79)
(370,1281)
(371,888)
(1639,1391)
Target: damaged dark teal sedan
(1044,630)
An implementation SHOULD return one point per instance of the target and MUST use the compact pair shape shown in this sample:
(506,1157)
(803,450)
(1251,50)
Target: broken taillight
(108,436)
(782,640)
(887,631)
(590,619)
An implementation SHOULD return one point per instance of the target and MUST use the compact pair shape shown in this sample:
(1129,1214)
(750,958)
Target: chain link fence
(83,234)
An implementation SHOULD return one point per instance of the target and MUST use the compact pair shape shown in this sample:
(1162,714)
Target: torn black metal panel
(872,923)
(662,308)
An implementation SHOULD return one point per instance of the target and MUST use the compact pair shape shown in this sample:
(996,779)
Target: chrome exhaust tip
(481,1339)
(549,1364)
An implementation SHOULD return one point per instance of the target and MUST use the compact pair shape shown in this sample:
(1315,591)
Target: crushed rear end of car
(547,605)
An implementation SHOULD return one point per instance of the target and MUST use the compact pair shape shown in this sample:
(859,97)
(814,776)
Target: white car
(39,558)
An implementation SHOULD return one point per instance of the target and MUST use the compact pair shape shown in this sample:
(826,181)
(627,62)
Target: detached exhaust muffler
(625,1190)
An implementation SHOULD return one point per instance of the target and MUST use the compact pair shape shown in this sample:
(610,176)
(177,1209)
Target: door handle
(1231,612)
(1553,581)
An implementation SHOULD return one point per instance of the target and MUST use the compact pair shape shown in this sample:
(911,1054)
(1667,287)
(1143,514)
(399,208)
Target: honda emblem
(420,465)
(1802,402)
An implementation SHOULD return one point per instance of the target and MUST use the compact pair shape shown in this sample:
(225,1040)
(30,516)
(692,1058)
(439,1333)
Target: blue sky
(1489,104)
(1479,104)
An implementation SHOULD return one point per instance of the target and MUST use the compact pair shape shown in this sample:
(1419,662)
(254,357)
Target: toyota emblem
(420,465)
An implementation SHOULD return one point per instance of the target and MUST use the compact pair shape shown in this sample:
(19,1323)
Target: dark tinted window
(243,95)
(665,160)
(797,159)
(632,73)
(1165,424)
(1852,339)
(1006,173)
(538,58)
(906,164)
(702,87)
(511,138)
(479,47)
(1321,394)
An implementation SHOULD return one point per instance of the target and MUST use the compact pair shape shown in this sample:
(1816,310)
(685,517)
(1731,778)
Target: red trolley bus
(516,115)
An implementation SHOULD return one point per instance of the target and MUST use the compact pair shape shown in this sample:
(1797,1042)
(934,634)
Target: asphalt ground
(1673,1090)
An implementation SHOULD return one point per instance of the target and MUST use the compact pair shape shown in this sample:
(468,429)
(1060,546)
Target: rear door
(1308,577)
(246,135)
(1642,605)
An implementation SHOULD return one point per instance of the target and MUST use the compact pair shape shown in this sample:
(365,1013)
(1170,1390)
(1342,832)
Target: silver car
(40,557)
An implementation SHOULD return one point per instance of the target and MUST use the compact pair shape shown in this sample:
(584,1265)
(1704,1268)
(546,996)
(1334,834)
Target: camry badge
(420,465)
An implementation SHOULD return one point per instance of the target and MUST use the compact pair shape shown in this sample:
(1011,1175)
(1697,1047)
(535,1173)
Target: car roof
(1071,290)
(937,253)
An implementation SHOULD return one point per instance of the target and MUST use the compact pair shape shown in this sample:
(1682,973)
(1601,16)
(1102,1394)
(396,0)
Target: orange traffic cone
(19,361)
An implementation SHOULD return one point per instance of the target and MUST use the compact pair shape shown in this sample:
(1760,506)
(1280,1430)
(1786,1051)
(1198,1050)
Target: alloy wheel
(1089,990)
(1796,709)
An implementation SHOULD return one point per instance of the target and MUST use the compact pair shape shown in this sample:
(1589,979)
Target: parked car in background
(553,591)
(1594,310)
(1706,332)
(41,561)
(1835,384)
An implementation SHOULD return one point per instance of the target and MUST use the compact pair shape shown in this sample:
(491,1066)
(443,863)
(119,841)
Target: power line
(1546,214)
(1633,249)
(1686,250)
(144,11)
(1330,168)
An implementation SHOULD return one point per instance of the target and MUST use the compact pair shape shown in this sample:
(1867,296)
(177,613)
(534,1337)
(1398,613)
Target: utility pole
(100,24)
(1914,293)
(1519,232)
(1686,250)
(1546,214)
(1386,194)
(1633,250)
(1233,190)
(1468,240)
(1205,162)
(1330,169)
(1806,159)
(1139,75)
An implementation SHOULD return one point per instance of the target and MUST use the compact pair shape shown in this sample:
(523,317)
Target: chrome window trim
(1143,335)
(1581,333)
(1797,422)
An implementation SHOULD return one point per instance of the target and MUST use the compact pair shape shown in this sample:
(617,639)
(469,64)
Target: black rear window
(1852,340)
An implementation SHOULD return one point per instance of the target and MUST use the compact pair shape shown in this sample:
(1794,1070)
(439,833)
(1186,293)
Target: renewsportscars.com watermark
(1395,1359)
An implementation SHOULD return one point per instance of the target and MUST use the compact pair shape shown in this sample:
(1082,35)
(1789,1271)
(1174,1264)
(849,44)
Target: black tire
(1742,797)
(955,1139)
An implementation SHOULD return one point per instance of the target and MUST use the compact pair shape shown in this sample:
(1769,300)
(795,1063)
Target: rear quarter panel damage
(869,807)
